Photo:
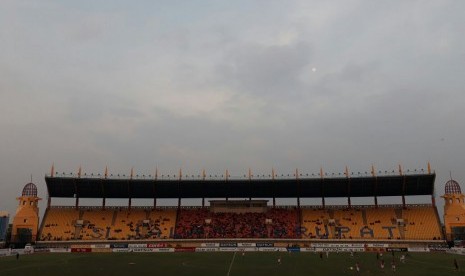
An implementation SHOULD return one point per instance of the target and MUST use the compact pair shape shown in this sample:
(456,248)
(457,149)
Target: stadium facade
(248,214)
(454,211)
(26,220)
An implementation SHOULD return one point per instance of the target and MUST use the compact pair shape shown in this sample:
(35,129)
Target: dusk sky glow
(231,85)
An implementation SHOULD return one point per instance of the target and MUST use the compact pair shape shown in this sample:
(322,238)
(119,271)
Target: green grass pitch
(252,263)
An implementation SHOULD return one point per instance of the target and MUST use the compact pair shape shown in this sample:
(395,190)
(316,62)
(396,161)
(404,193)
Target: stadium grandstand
(247,213)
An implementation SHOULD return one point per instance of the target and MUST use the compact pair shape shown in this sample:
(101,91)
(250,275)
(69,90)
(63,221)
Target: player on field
(402,258)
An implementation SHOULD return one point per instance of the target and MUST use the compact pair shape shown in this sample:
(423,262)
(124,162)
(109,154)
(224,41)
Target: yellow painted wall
(27,215)
(454,212)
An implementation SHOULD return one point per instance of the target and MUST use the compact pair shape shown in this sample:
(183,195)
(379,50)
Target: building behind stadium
(4,221)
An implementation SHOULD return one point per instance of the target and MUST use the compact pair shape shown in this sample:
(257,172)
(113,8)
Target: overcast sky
(229,85)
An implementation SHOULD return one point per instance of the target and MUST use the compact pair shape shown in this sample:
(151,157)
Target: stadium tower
(454,211)
(26,221)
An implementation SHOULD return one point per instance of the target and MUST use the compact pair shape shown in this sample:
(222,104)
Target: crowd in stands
(201,223)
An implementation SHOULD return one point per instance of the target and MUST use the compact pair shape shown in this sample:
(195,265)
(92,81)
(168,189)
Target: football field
(252,263)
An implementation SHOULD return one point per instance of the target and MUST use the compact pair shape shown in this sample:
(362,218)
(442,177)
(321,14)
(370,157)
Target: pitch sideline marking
(231,264)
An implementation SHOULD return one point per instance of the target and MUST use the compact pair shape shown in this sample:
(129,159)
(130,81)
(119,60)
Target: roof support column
(204,175)
(76,194)
(373,173)
(179,202)
(403,191)
(403,186)
(348,198)
(103,187)
(348,187)
(250,183)
(322,188)
(49,201)
(129,191)
(274,187)
(226,178)
(154,189)
(298,188)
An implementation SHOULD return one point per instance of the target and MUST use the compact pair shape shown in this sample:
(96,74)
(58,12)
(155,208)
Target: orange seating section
(421,223)
(127,224)
(384,222)
(109,224)
(411,223)
(96,224)
(163,221)
(58,224)
(313,223)
(350,218)
(381,220)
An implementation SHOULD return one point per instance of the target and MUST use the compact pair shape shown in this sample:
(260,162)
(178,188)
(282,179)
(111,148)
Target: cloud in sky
(221,85)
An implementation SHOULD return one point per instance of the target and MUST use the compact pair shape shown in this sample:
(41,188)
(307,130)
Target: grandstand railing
(266,176)
(116,207)
(248,240)
(332,207)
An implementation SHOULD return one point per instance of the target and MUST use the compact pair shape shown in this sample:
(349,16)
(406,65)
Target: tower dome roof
(29,189)
(452,187)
